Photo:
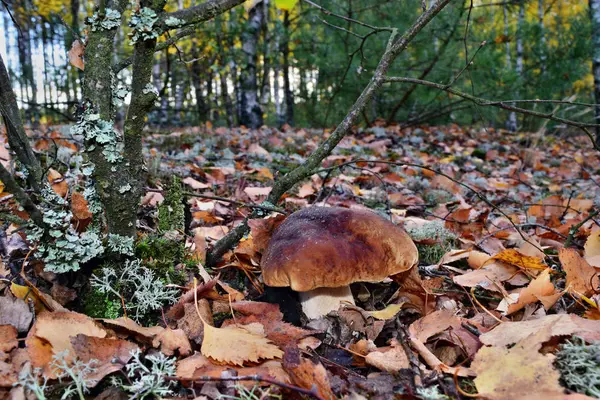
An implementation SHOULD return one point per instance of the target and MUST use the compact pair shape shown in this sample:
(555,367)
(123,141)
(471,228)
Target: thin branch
(257,378)
(348,19)
(197,14)
(23,198)
(159,47)
(575,228)
(502,104)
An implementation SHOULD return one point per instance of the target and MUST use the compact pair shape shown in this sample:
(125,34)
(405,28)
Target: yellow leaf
(592,244)
(387,313)
(235,345)
(285,5)
(25,292)
(514,257)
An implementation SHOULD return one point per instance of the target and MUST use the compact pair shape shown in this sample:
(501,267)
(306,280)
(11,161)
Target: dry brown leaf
(306,190)
(8,338)
(58,183)
(171,341)
(256,193)
(79,205)
(262,230)
(508,333)
(391,359)
(454,255)
(191,323)
(187,366)
(130,327)
(194,184)
(581,276)
(51,334)
(76,53)
(477,259)
(177,310)
(110,354)
(519,372)
(592,244)
(152,199)
(432,324)
(305,374)
(488,277)
(235,345)
(514,257)
(15,312)
(540,287)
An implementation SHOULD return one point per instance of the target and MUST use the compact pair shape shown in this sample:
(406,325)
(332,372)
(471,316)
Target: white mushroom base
(319,302)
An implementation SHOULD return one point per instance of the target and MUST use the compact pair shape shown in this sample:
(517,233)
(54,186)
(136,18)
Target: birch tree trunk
(287,89)
(595,18)
(251,111)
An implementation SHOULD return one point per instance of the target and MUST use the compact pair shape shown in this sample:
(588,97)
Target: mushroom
(320,251)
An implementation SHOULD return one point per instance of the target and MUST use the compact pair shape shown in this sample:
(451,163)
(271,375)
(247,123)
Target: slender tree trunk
(223,74)
(265,85)
(198,91)
(542,35)
(595,18)
(251,111)
(287,89)
(512,123)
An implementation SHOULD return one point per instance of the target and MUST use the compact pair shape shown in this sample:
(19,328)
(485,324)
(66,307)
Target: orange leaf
(514,257)
(79,205)
(76,54)
(581,276)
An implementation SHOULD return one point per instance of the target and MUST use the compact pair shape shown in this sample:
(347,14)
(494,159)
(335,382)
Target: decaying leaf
(519,372)
(8,338)
(235,345)
(58,183)
(432,324)
(582,278)
(15,312)
(306,374)
(389,359)
(171,341)
(79,205)
(130,327)
(592,244)
(539,289)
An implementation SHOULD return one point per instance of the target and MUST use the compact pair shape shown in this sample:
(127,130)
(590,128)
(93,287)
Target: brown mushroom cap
(332,246)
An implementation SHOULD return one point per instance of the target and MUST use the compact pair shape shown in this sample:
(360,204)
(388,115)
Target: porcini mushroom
(320,251)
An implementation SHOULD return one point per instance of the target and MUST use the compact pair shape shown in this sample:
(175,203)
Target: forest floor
(504,302)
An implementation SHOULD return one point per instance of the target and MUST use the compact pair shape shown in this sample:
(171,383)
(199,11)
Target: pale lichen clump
(439,240)
(149,381)
(173,22)
(64,249)
(579,366)
(142,289)
(150,88)
(142,25)
(111,20)
(120,244)
(98,132)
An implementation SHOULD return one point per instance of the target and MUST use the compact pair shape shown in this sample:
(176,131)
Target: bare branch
(502,104)
(354,21)
(23,198)
(200,13)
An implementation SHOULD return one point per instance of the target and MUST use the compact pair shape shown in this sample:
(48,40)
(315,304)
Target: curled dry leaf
(262,230)
(130,328)
(79,205)
(58,183)
(76,54)
(432,324)
(235,345)
(539,289)
(477,259)
(488,277)
(172,341)
(387,313)
(306,374)
(582,278)
(194,184)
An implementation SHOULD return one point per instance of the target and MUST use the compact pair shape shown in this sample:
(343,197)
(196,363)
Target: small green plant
(579,366)
(171,213)
(142,290)
(149,381)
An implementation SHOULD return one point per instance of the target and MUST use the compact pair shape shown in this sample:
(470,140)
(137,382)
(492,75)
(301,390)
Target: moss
(432,253)
(100,305)
(479,153)
(161,255)
(171,213)
(437,196)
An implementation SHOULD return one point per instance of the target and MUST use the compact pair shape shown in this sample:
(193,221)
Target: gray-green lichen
(125,188)
(98,132)
(111,20)
(120,244)
(173,22)
(579,366)
(142,24)
(64,249)
(150,88)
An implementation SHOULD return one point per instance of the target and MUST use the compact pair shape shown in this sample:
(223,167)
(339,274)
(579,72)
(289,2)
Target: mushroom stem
(319,302)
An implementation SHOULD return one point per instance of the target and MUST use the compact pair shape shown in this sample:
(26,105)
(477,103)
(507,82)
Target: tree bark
(287,89)
(251,111)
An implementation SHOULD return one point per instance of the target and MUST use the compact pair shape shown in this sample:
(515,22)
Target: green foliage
(579,365)
(161,254)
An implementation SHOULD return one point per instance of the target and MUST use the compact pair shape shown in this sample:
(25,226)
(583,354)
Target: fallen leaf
(110,354)
(477,259)
(540,287)
(592,244)
(514,257)
(391,359)
(194,184)
(255,193)
(172,341)
(79,205)
(432,324)
(581,276)
(76,53)
(387,313)
(152,199)
(130,327)
(191,323)
(306,374)
(15,312)
(262,230)
(58,183)
(177,310)
(508,333)
(8,338)
(487,276)
(519,372)
(235,345)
